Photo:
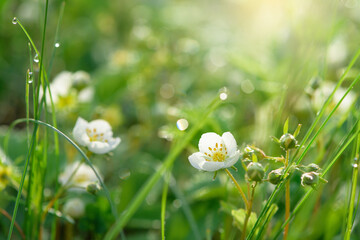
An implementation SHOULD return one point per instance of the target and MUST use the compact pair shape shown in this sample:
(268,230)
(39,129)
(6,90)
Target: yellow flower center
(94,136)
(218,157)
(218,153)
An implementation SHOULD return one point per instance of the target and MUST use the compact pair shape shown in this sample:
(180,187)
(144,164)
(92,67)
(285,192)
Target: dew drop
(355,165)
(223,93)
(36,58)
(30,77)
(182,124)
(57,45)
(14,21)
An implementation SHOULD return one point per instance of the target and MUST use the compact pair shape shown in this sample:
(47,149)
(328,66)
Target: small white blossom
(75,208)
(68,89)
(82,178)
(96,135)
(215,152)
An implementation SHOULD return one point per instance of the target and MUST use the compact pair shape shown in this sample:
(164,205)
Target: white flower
(68,89)
(96,135)
(75,208)
(82,178)
(215,152)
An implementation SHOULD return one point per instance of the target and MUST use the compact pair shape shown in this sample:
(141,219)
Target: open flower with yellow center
(96,135)
(216,152)
(83,176)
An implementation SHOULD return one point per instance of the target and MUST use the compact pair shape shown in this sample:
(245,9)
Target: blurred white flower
(337,51)
(321,94)
(82,178)
(68,89)
(75,208)
(96,135)
(215,152)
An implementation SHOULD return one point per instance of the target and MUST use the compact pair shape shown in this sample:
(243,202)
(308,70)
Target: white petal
(230,143)
(196,159)
(79,132)
(86,95)
(114,142)
(100,125)
(232,159)
(62,83)
(209,140)
(99,147)
(211,166)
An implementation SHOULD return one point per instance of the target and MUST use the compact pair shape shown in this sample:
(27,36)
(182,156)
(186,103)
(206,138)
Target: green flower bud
(255,171)
(288,141)
(275,176)
(312,167)
(309,179)
(93,188)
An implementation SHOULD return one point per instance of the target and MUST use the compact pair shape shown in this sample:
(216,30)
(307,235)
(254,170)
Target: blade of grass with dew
(349,138)
(351,205)
(168,162)
(36,96)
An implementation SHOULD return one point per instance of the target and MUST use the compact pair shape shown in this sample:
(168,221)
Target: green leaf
(297,131)
(286,126)
(239,219)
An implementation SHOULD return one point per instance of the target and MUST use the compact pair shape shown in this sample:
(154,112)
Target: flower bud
(255,171)
(309,179)
(312,167)
(288,141)
(93,188)
(275,176)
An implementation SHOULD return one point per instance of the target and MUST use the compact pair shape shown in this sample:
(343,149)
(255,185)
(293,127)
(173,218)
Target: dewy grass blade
(168,162)
(351,205)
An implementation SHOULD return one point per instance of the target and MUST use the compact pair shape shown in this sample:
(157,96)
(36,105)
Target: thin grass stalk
(168,162)
(351,205)
(163,203)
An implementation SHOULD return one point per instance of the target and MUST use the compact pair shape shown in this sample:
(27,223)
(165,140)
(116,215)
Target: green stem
(248,213)
(287,197)
(238,188)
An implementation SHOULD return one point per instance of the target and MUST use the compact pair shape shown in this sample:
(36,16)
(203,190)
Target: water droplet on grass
(57,45)
(30,77)
(182,124)
(223,93)
(14,21)
(36,58)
